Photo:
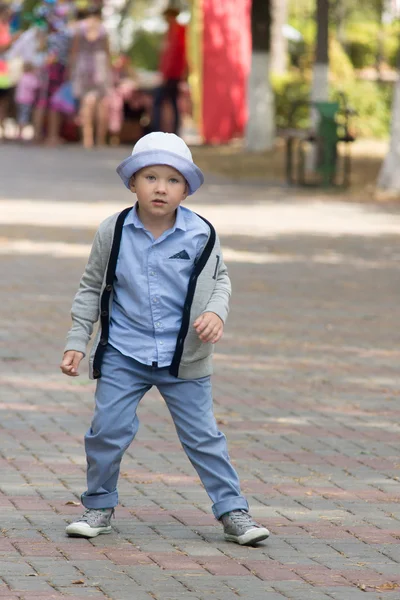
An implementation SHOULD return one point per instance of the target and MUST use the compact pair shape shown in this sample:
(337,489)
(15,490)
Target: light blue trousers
(122,385)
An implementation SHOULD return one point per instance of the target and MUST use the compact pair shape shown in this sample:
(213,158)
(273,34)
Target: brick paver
(306,389)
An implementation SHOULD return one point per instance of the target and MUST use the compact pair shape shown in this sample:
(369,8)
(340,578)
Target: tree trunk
(389,176)
(260,131)
(319,89)
(339,17)
(279,44)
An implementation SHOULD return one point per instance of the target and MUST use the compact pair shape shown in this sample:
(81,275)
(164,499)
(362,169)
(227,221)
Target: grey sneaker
(93,522)
(239,527)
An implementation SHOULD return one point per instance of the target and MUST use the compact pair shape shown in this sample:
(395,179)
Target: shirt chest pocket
(178,262)
(178,255)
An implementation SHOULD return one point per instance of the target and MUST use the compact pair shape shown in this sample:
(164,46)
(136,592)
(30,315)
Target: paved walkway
(306,389)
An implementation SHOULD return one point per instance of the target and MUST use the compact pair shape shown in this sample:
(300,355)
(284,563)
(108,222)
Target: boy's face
(160,190)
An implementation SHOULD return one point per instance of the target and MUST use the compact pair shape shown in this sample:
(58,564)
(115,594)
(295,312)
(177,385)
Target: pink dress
(26,89)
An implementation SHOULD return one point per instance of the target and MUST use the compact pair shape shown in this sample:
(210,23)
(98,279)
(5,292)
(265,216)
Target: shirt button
(154,299)
(158,324)
(161,343)
(152,273)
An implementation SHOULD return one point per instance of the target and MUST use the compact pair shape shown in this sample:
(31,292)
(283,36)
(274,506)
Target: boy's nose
(161,185)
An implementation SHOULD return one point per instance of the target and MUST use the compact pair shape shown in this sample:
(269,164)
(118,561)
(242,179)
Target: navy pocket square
(183,255)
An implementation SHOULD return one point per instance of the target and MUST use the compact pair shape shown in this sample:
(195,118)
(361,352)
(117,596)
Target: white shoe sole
(253,536)
(81,530)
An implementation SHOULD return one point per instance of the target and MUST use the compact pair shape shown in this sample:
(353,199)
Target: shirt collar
(133,219)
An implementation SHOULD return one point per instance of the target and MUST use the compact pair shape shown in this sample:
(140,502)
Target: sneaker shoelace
(90,515)
(241,517)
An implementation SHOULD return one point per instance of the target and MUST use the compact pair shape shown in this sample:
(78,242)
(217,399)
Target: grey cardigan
(209,289)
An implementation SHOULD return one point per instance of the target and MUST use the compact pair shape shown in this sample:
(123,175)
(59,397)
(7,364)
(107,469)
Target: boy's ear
(132,186)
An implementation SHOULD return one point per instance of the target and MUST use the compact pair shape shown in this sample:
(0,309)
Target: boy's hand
(70,363)
(209,327)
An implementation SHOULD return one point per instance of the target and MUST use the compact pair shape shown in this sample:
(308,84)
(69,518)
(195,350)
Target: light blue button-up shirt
(150,286)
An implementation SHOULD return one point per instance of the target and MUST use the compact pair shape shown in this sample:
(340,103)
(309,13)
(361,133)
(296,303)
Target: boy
(156,278)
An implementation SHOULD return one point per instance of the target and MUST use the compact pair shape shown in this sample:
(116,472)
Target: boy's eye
(150,177)
(173,180)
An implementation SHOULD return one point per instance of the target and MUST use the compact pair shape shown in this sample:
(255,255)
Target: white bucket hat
(160,148)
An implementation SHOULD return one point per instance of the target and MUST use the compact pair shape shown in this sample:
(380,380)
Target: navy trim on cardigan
(199,266)
(105,297)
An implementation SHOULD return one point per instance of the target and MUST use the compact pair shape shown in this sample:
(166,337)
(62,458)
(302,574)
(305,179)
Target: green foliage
(360,48)
(291,90)
(371,101)
(364,41)
(340,66)
(302,53)
(391,46)
(362,44)
(145,51)
(355,11)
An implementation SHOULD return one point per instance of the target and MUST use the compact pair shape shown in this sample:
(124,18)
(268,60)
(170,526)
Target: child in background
(124,86)
(25,96)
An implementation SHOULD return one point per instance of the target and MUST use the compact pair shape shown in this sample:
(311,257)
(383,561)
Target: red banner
(226,65)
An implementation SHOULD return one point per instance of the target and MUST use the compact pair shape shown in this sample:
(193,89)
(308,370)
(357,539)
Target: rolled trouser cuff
(224,506)
(100,500)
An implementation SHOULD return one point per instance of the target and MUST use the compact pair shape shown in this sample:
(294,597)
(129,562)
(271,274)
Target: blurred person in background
(65,10)
(124,89)
(25,96)
(91,75)
(15,17)
(173,68)
(6,77)
(31,45)
(52,76)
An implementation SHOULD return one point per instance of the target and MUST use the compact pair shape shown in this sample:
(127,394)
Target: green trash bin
(326,140)
(312,156)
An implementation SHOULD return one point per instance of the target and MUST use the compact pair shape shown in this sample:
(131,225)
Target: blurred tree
(339,12)
(347,19)
(319,90)
(279,43)
(344,11)
(389,176)
(122,21)
(382,6)
(260,131)
(145,50)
